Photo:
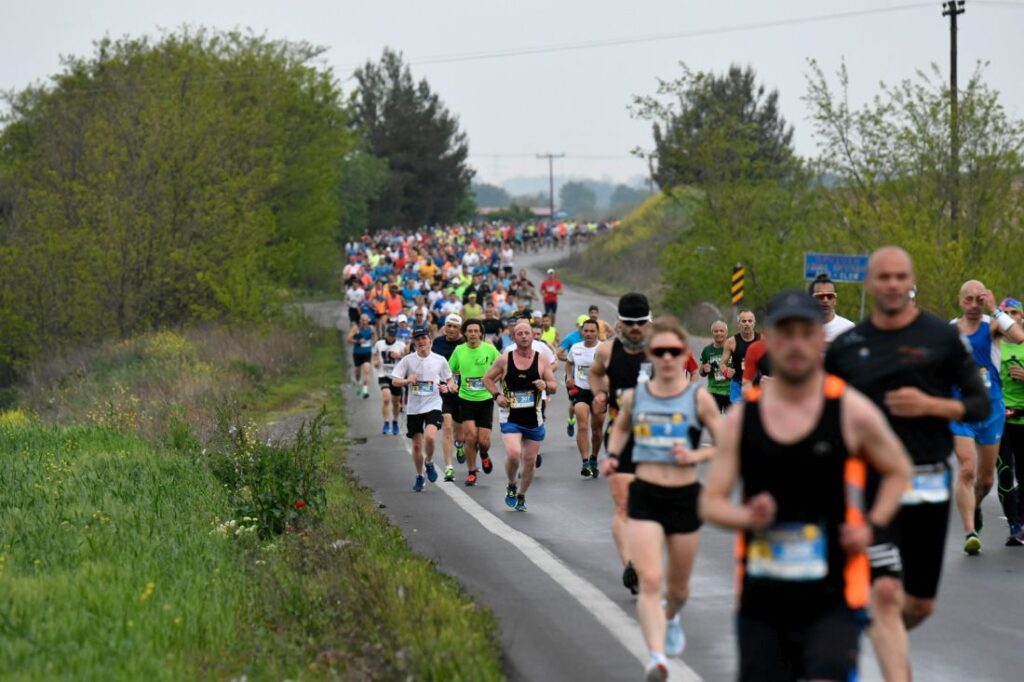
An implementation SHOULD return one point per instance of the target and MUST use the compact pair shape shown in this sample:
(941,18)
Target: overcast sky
(573,100)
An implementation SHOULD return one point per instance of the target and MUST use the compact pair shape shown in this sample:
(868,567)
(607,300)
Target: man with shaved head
(914,366)
(977,443)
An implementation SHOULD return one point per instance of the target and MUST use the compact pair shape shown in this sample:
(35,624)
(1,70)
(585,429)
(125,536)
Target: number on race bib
(475,384)
(423,388)
(521,399)
(790,552)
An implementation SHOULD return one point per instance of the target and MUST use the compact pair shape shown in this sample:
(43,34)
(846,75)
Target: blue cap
(420,331)
(391,330)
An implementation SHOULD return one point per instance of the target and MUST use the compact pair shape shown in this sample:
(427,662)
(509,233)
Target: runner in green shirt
(1010,464)
(718,384)
(475,412)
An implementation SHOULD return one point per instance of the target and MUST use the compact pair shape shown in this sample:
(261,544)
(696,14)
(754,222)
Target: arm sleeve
(973,393)
(750,361)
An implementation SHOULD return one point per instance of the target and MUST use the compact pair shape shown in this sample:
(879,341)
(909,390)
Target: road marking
(621,626)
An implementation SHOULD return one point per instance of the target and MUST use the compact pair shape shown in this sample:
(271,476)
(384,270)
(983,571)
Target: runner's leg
(646,542)
(966,479)
(618,484)
(682,550)
(530,448)
(417,453)
(888,633)
(513,455)
(583,434)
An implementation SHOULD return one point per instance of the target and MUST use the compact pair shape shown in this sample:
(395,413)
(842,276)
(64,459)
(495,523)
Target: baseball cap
(581,319)
(420,331)
(793,304)
(391,330)
(551,271)
(536,315)
(1010,303)
(453,319)
(403,318)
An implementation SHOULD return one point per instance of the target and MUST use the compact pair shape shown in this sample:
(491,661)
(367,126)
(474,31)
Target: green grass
(108,569)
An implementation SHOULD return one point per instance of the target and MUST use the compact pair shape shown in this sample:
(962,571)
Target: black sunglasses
(671,351)
(633,323)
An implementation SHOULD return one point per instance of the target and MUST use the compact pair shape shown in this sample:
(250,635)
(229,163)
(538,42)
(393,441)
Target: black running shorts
(583,396)
(360,359)
(417,423)
(823,649)
(674,508)
(450,404)
(551,308)
(912,547)
(480,412)
(385,382)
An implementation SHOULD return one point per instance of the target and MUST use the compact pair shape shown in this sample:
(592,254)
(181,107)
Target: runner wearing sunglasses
(823,289)
(665,417)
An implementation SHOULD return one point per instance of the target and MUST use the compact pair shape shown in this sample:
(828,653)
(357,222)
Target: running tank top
(624,371)
(796,568)
(987,356)
(660,423)
(364,341)
(524,399)
(739,354)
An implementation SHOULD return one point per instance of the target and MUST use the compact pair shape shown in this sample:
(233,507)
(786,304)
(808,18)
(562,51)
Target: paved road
(552,575)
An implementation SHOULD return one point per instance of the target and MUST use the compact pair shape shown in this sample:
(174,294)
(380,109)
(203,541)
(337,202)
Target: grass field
(123,555)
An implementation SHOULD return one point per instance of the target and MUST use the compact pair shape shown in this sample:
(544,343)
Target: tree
(406,123)
(491,196)
(891,158)
(716,128)
(624,199)
(577,199)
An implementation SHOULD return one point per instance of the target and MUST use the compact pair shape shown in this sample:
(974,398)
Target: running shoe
(1016,538)
(630,579)
(460,452)
(675,640)
(540,460)
(510,496)
(486,464)
(979,520)
(471,478)
(394,428)
(570,427)
(593,466)
(972,544)
(657,669)
(449,474)
(431,472)
(585,470)
(384,431)
(521,503)
(366,393)
(418,485)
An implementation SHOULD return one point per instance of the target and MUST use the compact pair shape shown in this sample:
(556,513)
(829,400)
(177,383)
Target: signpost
(839,267)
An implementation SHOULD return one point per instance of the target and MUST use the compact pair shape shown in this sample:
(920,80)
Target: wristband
(612,455)
(1003,320)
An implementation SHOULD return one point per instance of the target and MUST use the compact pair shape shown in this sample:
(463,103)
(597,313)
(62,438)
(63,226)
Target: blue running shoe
(510,496)
(431,472)
(675,640)
(394,428)
(521,503)
(384,431)
(417,487)
(570,427)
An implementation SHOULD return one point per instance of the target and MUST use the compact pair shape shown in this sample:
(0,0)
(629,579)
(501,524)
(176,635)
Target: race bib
(789,551)
(365,343)
(582,372)
(520,399)
(475,384)
(386,367)
(645,372)
(929,484)
(718,371)
(423,388)
(655,430)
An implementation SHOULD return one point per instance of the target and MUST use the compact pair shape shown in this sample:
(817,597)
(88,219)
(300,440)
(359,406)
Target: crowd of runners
(839,437)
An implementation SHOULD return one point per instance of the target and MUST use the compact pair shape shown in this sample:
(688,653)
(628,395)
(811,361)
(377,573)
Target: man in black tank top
(735,349)
(524,375)
(802,446)
(618,365)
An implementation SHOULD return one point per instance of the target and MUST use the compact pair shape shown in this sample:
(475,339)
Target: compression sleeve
(973,393)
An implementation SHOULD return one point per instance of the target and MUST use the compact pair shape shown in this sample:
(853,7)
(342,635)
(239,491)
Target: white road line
(621,626)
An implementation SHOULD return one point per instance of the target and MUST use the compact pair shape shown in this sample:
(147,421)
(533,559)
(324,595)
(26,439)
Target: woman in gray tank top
(666,417)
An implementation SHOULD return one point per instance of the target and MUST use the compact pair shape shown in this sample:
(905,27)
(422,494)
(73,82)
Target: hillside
(628,257)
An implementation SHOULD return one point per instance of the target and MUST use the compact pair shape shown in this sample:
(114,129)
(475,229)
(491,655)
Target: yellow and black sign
(737,283)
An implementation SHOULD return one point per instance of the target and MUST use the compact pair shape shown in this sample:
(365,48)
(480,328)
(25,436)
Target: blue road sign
(838,266)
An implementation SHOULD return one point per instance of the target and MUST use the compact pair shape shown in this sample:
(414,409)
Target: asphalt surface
(553,578)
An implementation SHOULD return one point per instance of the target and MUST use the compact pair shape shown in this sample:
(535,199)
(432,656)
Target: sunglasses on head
(670,351)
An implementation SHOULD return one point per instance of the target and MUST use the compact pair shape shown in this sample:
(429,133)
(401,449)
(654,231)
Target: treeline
(190,177)
(882,176)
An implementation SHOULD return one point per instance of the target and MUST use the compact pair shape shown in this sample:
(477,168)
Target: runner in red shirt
(551,289)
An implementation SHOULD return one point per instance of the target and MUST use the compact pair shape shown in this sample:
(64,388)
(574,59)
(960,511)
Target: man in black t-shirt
(908,361)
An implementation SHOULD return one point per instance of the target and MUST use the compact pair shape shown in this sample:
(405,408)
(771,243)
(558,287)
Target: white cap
(403,318)
(536,314)
(550,270)
(453,319)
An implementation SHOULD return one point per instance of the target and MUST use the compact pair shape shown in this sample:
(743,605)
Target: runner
(757,364)
(581,398)
(451,436)
(387,352)
(605,330)
(823,289)
(802,446)
(735,350)
(712,368)
(618,366)
(666,417)
(570,340)
(549,334)
(471,361)
(977,444)
(361,337)
(428,377)
(1009,467)
(354,295)
(526,376)
(908,362)
(551,288)
(548,353)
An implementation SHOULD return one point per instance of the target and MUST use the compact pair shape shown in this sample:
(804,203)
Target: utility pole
(551,181)
(953,9)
